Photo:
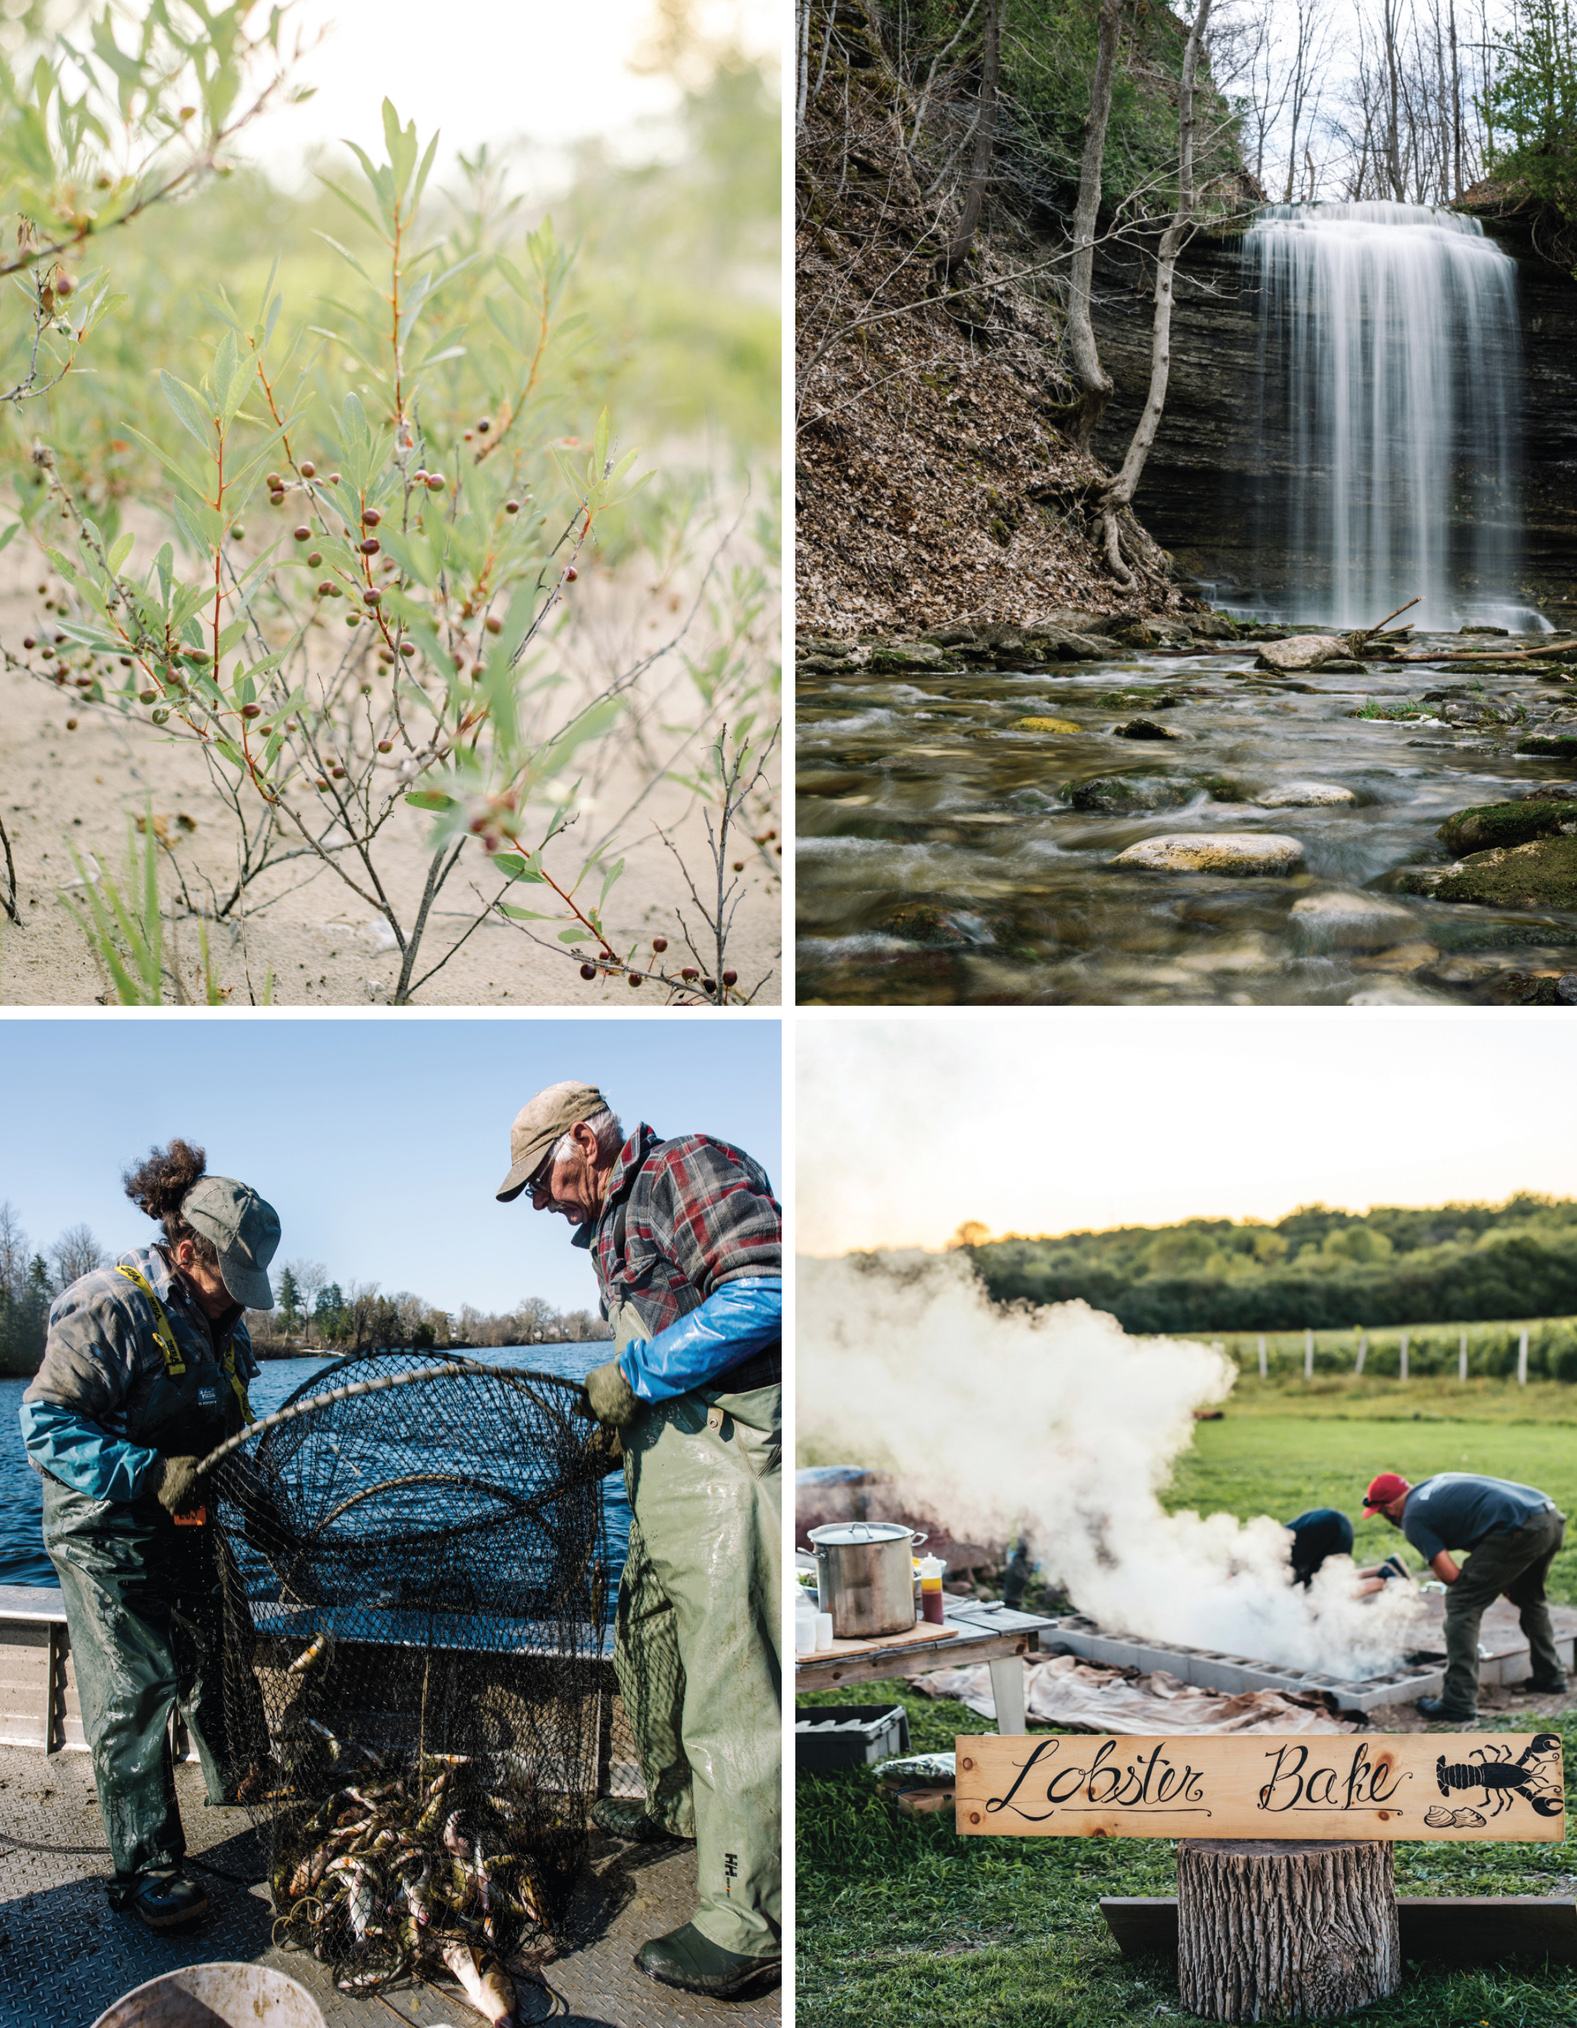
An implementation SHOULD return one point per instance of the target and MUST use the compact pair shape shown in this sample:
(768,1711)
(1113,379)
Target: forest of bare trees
(312,1313)
(1380,100)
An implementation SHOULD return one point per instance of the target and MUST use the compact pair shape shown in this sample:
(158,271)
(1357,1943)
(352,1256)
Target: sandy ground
(303,928)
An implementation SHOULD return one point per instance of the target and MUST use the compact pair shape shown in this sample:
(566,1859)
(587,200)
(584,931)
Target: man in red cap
(1512,1534)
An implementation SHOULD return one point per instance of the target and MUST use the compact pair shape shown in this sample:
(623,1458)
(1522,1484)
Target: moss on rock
(1540,874)
(1487,825)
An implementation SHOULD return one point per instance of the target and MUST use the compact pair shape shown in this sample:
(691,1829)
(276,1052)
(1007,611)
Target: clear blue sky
(379,1142)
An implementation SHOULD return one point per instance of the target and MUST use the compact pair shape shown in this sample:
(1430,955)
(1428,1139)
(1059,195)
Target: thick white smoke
(1056,1422)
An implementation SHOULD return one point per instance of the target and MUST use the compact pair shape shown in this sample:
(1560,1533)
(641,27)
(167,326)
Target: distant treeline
(1316,1268)
(312,1313)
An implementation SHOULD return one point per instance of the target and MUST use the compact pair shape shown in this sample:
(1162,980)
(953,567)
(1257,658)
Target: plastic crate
(829,1736)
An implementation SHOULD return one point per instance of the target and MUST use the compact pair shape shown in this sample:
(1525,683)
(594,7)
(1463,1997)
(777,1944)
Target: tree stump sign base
(1284,1930)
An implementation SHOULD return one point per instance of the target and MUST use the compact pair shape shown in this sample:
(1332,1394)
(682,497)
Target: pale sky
(489,70)
(379,1141)
(1048,1123)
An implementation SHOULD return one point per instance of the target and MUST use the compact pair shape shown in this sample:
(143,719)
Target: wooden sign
(1261,1785)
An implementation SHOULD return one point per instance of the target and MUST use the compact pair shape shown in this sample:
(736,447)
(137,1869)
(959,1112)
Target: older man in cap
(686,1240)
(1513,1534)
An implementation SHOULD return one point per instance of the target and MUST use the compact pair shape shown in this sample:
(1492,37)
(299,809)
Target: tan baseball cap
(539,1124)
(244,1230)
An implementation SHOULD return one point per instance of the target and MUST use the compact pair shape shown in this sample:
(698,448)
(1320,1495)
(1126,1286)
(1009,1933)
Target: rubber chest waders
(142,1598)
(697,1641)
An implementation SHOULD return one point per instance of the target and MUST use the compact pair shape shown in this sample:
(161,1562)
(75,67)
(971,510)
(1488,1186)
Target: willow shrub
(385,649)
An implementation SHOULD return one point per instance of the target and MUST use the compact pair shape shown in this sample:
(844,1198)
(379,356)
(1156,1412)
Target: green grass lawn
(900,1923)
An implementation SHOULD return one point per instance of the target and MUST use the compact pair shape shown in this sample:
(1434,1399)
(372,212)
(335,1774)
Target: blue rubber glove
(82,1455)
(739,1318)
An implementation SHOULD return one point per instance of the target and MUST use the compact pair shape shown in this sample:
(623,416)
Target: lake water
(22,1557)
(949,853)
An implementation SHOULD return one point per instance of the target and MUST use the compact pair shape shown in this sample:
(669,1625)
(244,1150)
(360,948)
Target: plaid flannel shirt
(682,1217)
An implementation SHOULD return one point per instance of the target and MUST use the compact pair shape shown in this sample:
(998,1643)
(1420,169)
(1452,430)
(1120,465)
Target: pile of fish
(412,1861)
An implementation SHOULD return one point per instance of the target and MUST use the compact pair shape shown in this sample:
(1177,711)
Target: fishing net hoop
(415,1582)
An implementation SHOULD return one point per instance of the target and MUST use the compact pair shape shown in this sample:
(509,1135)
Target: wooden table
(986,1633)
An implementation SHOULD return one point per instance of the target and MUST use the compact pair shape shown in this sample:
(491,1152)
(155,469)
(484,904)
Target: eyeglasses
(540,1180)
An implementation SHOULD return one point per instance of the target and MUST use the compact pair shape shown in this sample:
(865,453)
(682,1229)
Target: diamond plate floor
(64,1956)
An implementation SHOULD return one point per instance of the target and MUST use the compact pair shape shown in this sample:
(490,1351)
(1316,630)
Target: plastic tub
(216,1996)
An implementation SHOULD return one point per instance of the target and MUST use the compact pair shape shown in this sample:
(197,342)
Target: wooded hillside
(940,472)
(1317,1267)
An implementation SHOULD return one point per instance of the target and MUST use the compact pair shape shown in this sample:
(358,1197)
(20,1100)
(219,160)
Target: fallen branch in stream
(1555,650)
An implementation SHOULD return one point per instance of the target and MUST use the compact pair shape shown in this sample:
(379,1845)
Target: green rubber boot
(625,1817)
(692,1962)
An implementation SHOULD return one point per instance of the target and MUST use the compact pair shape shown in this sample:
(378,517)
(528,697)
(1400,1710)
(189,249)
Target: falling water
(1391,354)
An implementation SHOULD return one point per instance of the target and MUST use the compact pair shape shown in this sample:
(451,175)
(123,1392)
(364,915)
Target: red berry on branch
(407,648)
(251,710)
(730,978)
(484,424)
(435,482)
(635,978)
(326,590)
(659,943)
(28,641)
(146,696)
(308,469)
(571,574)
(274,483)
(690,973)
(374,597)
(385,746)
(511,506)
(493,624)
(371,518)
(371,546)
(588,971)
(315,558)
(302,534)
(71,725)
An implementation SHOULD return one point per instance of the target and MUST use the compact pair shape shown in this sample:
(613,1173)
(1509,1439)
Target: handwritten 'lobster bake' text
(1364,1785)
(1150,1781)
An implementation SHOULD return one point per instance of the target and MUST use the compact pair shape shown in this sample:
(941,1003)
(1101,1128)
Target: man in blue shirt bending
(1512,1534)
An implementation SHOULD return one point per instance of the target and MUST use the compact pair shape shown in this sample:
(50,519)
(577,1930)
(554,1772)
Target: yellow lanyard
(164,1335)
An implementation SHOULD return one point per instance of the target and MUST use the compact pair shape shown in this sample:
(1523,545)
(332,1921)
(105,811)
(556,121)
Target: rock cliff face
(1211,487)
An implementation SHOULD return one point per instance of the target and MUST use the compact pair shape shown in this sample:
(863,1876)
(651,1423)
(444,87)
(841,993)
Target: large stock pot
(865,1577)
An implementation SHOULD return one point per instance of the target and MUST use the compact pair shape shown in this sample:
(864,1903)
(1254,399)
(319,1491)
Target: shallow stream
(942,861)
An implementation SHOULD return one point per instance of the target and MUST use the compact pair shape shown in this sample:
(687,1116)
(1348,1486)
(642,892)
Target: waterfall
(1388,413)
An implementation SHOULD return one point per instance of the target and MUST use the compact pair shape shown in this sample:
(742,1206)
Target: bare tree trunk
(1456,108)
(1093,377)
(1267,1930)
(985,137)
(1117,498)
(1393,89)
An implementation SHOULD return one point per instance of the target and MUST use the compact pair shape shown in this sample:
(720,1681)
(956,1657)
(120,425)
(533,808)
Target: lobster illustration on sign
(1492,1769)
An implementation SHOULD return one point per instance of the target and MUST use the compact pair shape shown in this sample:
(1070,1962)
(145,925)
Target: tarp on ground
(1088,1698)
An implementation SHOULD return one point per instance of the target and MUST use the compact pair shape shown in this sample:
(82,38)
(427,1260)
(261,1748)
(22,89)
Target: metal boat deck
(65,1955)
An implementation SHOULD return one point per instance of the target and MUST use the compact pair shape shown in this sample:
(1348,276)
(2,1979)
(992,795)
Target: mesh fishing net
(411,1562)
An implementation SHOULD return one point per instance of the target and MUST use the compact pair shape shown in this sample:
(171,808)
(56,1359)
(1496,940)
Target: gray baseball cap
(243,1228)
(539,1124)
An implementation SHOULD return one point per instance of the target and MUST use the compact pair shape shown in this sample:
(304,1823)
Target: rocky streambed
(1107,811)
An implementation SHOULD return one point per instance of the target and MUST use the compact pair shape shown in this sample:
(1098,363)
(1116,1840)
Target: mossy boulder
(1059,725)
(898,658)
(1487,825)
(1558,743)
(1119,795)
(1540,874)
